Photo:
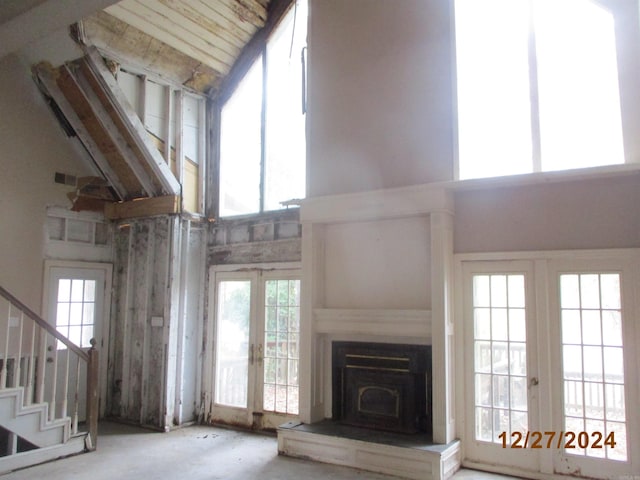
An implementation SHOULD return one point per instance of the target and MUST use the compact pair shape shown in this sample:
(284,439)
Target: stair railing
(32,358)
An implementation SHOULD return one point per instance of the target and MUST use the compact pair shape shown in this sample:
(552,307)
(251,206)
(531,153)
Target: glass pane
(589,291)
(270,370)
(494,119)
(481,291)
(294,319)
(592,364)
(271,292)
(293,345)
(87,317)
(281,398)
(240,146)
(518,358)
(271,317)
(77,290)
(572,362)
(483,390)
(501,423)
(283,319)
(571,328)
(519,393)
(619,432)
(64,290)
(611,328)
(613,365)
(573,402)
(232,343)
(614,396)
(593,400)
(269,402)
(500,359)
(293,372)
(516,291)
(283,292)
(483,357)
(75,335)
(610,285)
(282,346)
(591,327)
(270,344)
(62,316)
(89,290)
(75,314)
(482,323)
(484,430)
(498,291)
(499,323)
(501,391)
(569,291)
(579,99)
(517,325)
(285,150)
(87,335)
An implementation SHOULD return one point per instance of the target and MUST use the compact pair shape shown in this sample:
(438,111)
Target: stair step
(74,446)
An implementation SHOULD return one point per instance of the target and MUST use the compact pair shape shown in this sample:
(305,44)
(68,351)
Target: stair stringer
(32,422)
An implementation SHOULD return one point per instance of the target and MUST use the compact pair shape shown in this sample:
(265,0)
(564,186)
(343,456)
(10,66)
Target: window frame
(258,53)
(627,35)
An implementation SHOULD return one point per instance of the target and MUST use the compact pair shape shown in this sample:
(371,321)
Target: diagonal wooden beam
(118,138)
(47,80)
(132,122)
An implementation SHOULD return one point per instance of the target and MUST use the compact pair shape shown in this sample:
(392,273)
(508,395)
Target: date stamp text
(554,439)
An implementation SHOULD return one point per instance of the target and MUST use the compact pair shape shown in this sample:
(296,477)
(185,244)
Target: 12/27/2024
(552,439)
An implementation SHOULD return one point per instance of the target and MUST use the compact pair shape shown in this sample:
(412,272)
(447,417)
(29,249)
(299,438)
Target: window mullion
(534,94)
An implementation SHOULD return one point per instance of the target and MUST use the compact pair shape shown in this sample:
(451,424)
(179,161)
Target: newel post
(92,395)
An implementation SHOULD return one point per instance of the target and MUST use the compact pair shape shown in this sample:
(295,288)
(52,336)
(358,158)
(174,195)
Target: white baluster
(54,382)
(17,370)
(65,386)
(3,372)
(76,400)
(31,359)
(42,363)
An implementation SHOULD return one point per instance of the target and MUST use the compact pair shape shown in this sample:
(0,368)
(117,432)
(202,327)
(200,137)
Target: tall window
(537,86)
(262,135)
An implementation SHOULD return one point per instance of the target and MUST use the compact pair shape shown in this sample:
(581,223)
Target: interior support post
(442,326)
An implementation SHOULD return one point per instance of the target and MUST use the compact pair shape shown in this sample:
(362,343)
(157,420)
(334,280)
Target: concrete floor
(194,453)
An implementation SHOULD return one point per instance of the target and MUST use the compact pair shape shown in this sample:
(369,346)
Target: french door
(256,347)
(550,365)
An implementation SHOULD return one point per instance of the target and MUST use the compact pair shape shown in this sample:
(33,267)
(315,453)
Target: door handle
(533,382)
(260,356)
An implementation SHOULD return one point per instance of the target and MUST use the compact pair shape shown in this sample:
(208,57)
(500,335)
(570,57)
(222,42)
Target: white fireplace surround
(378,266)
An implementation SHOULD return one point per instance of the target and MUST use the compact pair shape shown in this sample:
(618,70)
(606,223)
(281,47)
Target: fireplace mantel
(384,322)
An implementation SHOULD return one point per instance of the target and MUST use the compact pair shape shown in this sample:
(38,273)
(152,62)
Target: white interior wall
(380,95)
(379,264)
(34,147)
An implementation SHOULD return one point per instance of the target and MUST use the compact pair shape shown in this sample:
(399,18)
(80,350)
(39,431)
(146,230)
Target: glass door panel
(592,364)
(281,346)
(232,343)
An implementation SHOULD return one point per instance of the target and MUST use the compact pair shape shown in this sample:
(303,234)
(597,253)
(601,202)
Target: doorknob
(260,357)
(251,354)
(533,382)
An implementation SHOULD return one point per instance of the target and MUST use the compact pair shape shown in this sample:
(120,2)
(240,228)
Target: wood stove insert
(382,386)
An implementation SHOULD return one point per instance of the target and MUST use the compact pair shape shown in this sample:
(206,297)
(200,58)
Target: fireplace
(382,386)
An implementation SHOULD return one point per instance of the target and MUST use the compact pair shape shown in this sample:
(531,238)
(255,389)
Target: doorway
(77,299)
(256,347)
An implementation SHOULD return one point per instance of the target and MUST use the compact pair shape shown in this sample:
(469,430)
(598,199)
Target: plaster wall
(585,214)
(380,95)
(34,147)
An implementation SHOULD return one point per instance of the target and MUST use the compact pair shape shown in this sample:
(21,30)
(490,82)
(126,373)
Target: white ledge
(388,322)
(377,204)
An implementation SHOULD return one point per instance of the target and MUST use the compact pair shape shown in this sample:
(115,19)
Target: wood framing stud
(143,207)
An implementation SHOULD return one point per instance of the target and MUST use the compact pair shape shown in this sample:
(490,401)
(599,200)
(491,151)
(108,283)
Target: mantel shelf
(387,322)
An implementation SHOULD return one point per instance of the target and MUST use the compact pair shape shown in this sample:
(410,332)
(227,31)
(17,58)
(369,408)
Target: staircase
(45,412)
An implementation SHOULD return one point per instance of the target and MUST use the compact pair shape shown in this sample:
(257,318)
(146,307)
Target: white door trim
(103,348)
